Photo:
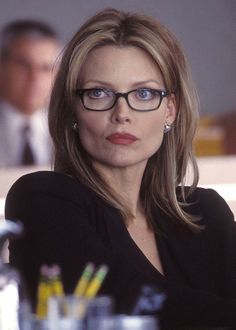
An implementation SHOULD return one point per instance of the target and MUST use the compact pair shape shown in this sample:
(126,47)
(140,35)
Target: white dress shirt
(11,138)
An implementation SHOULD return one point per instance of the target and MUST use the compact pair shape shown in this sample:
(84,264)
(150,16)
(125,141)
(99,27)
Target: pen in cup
(88,286)
(50,284)
(96,282)
(84,280)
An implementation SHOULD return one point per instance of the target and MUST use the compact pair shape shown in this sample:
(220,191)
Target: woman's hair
(167,168)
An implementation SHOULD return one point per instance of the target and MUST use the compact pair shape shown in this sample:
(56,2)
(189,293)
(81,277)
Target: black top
(68,224)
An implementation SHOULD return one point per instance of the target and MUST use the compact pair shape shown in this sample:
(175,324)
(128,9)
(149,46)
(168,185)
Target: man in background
(28,53)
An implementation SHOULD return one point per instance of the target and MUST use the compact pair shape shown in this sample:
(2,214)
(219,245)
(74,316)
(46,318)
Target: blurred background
(207,32)
(206,29)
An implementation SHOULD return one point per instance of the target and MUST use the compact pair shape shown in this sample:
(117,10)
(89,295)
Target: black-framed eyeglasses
(140,99)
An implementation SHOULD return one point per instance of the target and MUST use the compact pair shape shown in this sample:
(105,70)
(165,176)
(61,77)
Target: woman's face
(121,137)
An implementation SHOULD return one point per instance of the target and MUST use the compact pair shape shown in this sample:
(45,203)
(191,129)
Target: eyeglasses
(141,99)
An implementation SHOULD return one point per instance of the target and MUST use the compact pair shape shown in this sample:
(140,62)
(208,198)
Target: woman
(122,117)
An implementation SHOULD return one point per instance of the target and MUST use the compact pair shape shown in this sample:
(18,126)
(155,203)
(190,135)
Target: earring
(75,127)
(167,127)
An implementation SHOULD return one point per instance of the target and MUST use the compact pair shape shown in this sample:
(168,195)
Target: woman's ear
(171,111)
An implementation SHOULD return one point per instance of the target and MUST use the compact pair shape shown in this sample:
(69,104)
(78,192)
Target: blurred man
(28,52)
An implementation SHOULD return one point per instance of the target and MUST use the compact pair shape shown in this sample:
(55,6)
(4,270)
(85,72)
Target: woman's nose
(121,112)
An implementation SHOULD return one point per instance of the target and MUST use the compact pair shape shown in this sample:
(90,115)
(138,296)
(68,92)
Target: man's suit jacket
(12,123)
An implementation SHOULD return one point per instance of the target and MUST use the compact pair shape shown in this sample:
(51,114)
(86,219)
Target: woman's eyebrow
(97,82)
(159,83)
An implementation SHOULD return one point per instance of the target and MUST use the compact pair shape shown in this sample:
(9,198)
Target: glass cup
(66,312)
(99,313)
(124,322)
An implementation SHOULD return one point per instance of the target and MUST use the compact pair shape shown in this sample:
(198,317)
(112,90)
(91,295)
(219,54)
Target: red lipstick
(122,138)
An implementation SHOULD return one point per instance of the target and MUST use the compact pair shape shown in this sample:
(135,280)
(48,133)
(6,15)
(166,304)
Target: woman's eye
(144,94)
(96,93)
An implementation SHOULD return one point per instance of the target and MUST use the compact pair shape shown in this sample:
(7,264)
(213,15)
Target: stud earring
(167,127)
(75,127)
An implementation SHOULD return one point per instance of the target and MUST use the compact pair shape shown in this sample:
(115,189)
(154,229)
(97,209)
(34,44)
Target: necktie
(27,154)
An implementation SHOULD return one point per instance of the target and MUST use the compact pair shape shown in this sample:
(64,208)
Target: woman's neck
(126,182)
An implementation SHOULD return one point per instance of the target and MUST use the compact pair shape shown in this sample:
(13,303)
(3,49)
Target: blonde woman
(122,116)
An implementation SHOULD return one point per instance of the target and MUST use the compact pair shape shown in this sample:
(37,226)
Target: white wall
(219,173)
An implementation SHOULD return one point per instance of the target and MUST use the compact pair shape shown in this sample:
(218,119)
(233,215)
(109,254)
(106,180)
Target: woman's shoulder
(209,204)
(47,197)
(206,197)
(50,183)
(40,177)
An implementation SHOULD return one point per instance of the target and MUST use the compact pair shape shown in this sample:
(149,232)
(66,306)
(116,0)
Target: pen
(55,281)
(96,282)
(43,294)
(84,280)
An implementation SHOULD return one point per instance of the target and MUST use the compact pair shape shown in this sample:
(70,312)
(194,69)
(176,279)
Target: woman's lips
(122,138)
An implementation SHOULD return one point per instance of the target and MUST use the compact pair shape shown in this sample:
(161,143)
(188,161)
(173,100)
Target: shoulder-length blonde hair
(166,169)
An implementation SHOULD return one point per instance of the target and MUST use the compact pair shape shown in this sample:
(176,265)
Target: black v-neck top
(68,224)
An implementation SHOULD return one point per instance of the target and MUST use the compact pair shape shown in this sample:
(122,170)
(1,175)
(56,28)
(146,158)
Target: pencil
(55,281)
(84,280)
(96,282)
(43,293)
